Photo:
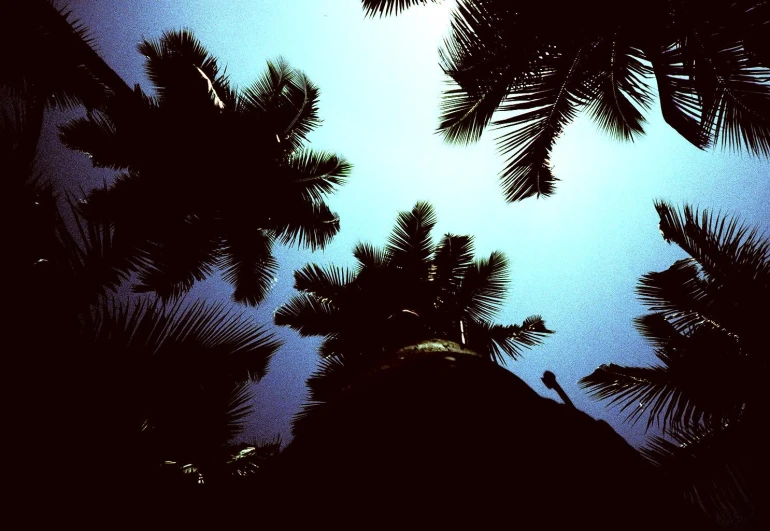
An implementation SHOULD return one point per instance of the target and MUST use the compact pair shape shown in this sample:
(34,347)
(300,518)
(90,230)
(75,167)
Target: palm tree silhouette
(408,291)
(707,326)
(212,178)
(122,386)
(538,65)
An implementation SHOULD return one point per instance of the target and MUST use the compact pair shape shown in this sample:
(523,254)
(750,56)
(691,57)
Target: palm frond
(285,101)
(97,137)
(707,466)
(486,56)
(680,102)
(183,72)
(187,253)
(483,289)
(248,263)
(327,283)
(540,112)
(387,7)
(410,245)
(700,380)
(453,257)
(680,294)
(305,224)
(494,341)
(54,62)
(724,247)
(316,174)
(616,88)
(369,256)
(308,315)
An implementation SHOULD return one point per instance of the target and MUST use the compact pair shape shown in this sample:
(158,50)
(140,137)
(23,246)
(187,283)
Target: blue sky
(575,257)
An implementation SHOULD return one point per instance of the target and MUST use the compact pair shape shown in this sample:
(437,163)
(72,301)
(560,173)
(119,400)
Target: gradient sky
(575,257)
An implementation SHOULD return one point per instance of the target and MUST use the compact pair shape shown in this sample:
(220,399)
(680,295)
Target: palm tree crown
(539,64)
(408,291)
(212,177)
(707,326)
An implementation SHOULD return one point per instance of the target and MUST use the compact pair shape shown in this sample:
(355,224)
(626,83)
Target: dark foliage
(529,68)
(211,178)
(707,327)
(409,290)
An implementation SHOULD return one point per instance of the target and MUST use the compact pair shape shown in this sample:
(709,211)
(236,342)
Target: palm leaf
(387,7)
(723,247)
(248,263)
(494,341)
(369,256)
(285,101)
(304,223)
(327,284)
(616,87)
(410,246)
(316,174)
(483,289)
(680,102)
(183,72)
(540,113)
(453,257)
(707,466)
(308,315)
(187,253)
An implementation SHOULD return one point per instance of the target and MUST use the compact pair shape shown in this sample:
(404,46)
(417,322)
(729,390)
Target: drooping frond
(194,337)
(539,114)
(388,7)
(308,315)
(304,223)
(701,379)
(735,93)
(708,466)
(326,283)
(186,253)
(680,102)
(616,87)
(248,263)
(679,293)
(477,57)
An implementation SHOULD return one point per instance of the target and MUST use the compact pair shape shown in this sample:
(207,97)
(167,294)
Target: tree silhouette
(213,178)
(408,291)
(707,327)
(538,65)
(155,382)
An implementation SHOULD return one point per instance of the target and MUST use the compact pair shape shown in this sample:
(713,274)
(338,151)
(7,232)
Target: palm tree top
(212,177)
(408,290)
(529,69)
(706,324)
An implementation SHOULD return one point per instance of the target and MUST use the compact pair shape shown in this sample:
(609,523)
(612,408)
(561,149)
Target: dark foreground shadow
(439,436)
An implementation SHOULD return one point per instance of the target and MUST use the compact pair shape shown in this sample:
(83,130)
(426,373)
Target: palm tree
(411,290)
(707,326)
(105,390)
(53,63)
(212,177)
(537,65)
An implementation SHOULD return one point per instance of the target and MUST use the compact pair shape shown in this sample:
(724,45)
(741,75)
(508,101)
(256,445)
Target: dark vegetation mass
(126,401)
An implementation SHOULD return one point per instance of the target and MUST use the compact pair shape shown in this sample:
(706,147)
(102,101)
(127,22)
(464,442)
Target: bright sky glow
(575,257)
